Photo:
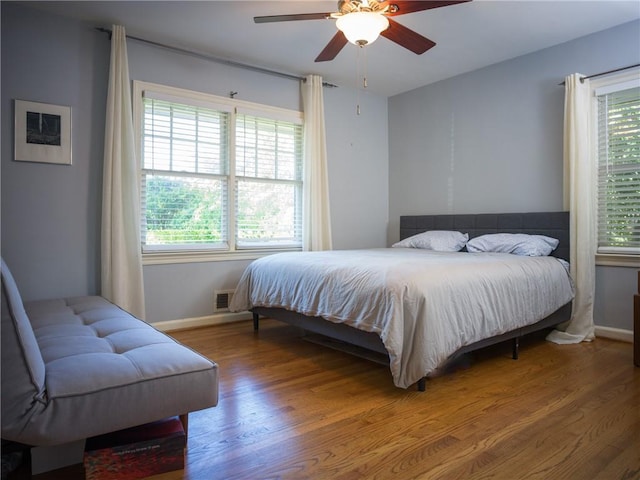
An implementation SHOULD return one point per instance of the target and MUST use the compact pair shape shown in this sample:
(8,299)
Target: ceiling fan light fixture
(362,28)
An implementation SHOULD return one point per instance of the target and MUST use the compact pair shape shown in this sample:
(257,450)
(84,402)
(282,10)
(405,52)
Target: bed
(417,307)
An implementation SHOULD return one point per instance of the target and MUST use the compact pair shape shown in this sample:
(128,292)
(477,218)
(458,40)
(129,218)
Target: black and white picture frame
(42,133)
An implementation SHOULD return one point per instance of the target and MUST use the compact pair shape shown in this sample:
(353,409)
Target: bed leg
(422,384)
(256,322)
(515,348)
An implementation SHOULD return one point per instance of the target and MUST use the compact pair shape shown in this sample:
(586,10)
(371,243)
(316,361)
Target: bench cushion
(23,369)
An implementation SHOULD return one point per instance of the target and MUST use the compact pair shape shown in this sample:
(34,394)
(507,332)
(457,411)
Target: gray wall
(491,141)
(51,214)
(486,141)
(50,226)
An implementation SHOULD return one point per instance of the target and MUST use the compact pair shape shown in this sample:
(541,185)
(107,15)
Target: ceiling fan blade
(333,47)
(292,17)
(411,6)
(407,38)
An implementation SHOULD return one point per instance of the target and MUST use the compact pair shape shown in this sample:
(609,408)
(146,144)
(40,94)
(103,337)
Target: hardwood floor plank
(290,409)
(624,466)
(557,453)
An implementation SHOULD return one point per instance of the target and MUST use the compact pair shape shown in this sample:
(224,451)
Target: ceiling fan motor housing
(351,6)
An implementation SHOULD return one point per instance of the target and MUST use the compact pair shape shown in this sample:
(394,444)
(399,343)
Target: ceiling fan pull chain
(364,75)
(358,81)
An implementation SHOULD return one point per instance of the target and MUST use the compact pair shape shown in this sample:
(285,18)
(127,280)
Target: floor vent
(222,299)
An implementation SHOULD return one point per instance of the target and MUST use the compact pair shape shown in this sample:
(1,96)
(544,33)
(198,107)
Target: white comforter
(424,304)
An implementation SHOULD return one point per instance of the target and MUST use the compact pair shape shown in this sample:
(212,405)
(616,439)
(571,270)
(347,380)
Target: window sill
(165,258)
(617,260)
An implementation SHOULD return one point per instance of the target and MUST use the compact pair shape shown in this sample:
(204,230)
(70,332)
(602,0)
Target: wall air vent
(222,299)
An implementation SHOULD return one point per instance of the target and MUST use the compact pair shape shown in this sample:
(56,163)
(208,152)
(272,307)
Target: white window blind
(184,176)
(619,170)
(268,187)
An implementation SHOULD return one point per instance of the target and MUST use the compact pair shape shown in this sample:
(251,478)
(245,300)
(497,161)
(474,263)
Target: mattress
(423,304)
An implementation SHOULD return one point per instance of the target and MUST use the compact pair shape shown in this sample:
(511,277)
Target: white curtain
(580,199)
(121,257)
(317,218)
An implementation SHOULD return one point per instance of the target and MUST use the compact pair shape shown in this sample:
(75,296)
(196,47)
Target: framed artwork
(42,133)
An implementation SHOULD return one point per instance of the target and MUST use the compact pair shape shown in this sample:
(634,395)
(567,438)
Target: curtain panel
(122,281)
(580,200)
(317,218)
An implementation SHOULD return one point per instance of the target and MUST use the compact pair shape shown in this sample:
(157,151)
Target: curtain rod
(582,79)
(211,58)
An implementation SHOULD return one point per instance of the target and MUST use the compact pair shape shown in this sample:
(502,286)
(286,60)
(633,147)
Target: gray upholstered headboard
(552,224)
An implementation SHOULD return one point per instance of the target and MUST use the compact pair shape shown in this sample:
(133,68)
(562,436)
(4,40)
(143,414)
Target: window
(618,161)
(217,175)
(268,182)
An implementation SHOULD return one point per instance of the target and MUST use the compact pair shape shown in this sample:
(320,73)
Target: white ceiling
(468,36)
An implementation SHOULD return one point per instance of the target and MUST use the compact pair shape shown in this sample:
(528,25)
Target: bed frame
(552,224)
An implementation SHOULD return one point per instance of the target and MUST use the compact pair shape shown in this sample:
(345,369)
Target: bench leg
(184,419)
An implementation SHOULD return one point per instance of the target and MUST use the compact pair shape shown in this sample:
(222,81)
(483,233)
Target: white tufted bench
(79,367)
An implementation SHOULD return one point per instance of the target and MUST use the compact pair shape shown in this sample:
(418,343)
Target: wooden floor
(290,409)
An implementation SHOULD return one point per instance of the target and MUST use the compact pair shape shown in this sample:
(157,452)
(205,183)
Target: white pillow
(516,243)
(439,240)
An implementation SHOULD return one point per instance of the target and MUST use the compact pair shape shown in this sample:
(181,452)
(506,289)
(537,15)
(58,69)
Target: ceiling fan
(361,21)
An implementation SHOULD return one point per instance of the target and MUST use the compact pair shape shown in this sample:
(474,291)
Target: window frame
(180,254)
(601,86)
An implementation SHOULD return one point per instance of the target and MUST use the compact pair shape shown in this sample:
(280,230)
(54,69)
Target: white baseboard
(614,333)
(227,317)
(208,321)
